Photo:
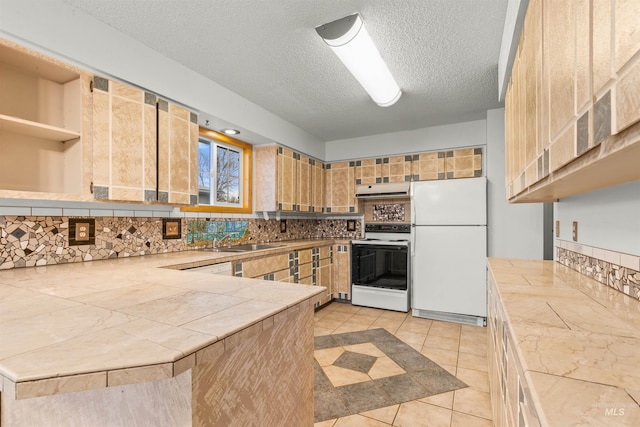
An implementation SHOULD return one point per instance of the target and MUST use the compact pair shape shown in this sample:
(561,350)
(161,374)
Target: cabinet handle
(91,187)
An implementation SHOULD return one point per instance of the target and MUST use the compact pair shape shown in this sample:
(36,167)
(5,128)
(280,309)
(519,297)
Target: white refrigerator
(449,250)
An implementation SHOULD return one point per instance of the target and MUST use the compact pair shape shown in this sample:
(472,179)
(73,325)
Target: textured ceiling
(442,53)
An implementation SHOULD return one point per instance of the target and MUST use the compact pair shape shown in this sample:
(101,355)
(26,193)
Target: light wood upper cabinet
(124,142)
(367,171)
(340,187)
(287,174)
(573,102)
(45,122)
(287,181)
(397,169)
(318,183)
(304,181)
(177,154)
(144,148)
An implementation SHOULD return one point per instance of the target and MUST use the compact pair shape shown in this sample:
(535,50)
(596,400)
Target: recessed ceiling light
(230,131)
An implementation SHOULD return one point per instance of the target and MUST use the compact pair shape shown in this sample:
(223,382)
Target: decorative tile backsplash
(389,212)
(201,232)
(611,270)
(35,241)
(27,241)
(396,209)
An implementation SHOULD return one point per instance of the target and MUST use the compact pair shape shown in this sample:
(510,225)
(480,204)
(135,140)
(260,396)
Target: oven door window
(379,266)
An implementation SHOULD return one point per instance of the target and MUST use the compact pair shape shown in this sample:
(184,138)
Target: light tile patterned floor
(460,349)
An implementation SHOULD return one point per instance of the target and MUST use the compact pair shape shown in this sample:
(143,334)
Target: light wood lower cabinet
(342,271)
(311,266)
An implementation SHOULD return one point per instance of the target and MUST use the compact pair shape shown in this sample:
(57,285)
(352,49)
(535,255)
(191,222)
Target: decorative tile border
(29,241)
(616,270)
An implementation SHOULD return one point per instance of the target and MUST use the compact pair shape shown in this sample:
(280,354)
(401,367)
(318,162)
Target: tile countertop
(86,322)
(578,342)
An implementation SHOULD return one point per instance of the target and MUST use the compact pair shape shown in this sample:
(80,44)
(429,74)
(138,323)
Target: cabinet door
(287,172)
(627,63)
(178,154)
(627,31)
(259,267)
(340,188)
(124,149)
(398,169)
(265,177)
(324,274)
(318,172)
(304,182)
(428,166)
(342,270)
(368,171)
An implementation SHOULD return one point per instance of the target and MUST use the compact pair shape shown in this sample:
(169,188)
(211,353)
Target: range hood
(379,191)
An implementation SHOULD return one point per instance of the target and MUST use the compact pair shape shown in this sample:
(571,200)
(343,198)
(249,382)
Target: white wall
(607,218)
(515,230)
(456,135)
(56,29)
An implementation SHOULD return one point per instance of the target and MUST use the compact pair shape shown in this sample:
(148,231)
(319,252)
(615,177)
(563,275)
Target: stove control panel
(388,228)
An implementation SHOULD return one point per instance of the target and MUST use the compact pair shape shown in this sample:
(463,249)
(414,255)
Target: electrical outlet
(557,228)
(82,232)
(575,231)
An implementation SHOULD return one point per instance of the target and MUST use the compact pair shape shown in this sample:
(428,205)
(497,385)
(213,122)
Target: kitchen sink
(242,248)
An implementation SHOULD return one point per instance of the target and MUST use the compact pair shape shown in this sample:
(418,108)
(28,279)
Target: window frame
(246,205)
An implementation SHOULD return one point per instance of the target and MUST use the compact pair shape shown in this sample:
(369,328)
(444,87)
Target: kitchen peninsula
(136,340)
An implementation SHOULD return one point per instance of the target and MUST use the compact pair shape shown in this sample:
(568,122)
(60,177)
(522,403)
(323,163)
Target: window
(219,185)
(224,174)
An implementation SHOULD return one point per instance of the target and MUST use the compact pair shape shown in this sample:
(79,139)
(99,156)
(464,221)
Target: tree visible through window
(220,172)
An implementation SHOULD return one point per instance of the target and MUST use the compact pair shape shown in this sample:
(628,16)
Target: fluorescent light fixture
(350,41)
(230,131)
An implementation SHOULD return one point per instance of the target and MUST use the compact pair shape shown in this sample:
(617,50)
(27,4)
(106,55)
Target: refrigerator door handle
(414,237)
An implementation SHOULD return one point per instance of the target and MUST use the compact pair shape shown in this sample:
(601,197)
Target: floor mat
(365,370)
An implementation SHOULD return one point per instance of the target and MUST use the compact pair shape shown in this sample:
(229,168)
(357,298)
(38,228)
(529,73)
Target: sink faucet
(216,243)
